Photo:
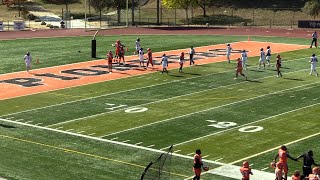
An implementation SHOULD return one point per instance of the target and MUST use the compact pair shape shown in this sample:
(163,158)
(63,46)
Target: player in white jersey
(27,59)
(262,59)
(138,47)
(244,57)
(164,62)
(313,61)
(141,59)
(268,55)
(228,52)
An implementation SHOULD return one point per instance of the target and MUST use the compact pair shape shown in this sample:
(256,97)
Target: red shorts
(197,171)
(239,70)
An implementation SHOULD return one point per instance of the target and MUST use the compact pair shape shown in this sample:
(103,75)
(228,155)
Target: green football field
(113,129)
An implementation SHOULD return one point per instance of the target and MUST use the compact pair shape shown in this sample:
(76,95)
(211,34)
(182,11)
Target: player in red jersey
(181,61)
(121,55)
(197,164)
(283,158)
(110,58)
(150,60)
(245,171)
(239,69)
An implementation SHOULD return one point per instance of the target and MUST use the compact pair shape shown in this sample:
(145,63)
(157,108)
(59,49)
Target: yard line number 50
(224,125)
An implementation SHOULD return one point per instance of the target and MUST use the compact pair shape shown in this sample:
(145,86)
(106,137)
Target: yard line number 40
(224,125)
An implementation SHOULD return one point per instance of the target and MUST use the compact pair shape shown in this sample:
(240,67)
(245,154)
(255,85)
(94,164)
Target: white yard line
(104,140)
(119,92)
(275,148)
(236,127)
(165,120)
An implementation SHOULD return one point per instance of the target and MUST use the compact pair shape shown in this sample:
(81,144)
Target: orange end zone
(59,77)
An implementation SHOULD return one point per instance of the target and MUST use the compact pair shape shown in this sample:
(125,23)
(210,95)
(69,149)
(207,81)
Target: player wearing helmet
(110,58)
(262,59)
(244,58)
(268,55)
(283,156)
(27,59)
(245,171)
(197,164)
(228,52)
(150,60)
(239,69)
(313,61)
(181,61)
(278,65)
(138,47)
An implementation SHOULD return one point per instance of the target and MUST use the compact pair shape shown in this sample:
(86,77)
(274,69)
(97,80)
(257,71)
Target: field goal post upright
(94,45)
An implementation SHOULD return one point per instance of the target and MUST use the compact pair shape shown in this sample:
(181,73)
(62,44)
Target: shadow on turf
(7,126)
(294,79)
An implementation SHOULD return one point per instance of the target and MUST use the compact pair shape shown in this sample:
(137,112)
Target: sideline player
(308,161)
(164,62)
(262,59)
(278,65)
(181,61)
(268,56)
(228,52)
(244,58)
(27,59)
(110,58)
(239,69)
(197,164)
(313,61)
(149,58)
(283,158)
(141,60)
(245,171)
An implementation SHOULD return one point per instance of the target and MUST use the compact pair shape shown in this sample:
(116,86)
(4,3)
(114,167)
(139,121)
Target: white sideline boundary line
(165,120)
(105,140)
(236,127)
(275,148)
(119,92)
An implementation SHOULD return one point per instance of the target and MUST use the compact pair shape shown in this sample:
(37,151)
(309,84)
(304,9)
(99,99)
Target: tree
(184,4)
(65,2)
(312,8)
(98,5)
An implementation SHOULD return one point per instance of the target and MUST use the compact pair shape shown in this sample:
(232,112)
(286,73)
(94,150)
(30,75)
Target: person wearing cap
(245,171)
(150,61)
(164,62)
(228,52)
(244,58)
(181,61)
(313,61)
(278,65)
(27,59)
(308,161)
(239,69)
(283,156)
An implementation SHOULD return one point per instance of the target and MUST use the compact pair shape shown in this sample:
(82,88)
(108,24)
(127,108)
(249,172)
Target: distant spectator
(308,161)
(62,24)
(314,39)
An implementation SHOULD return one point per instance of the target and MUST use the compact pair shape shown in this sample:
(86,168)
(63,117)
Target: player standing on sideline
(268,56)
(149,58)
(164,62)
(314,39)
(313,61)
(278,65)
(262,59)
(283,158)
(191,53)
(245,171)
(27,59)
(308,161)
(228,52)
(296,175)
(141,60)
(121,55)
(197,164)
(181,61)
(110,58)
(138,47)
(244,58)
(316,174)
(239,69)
